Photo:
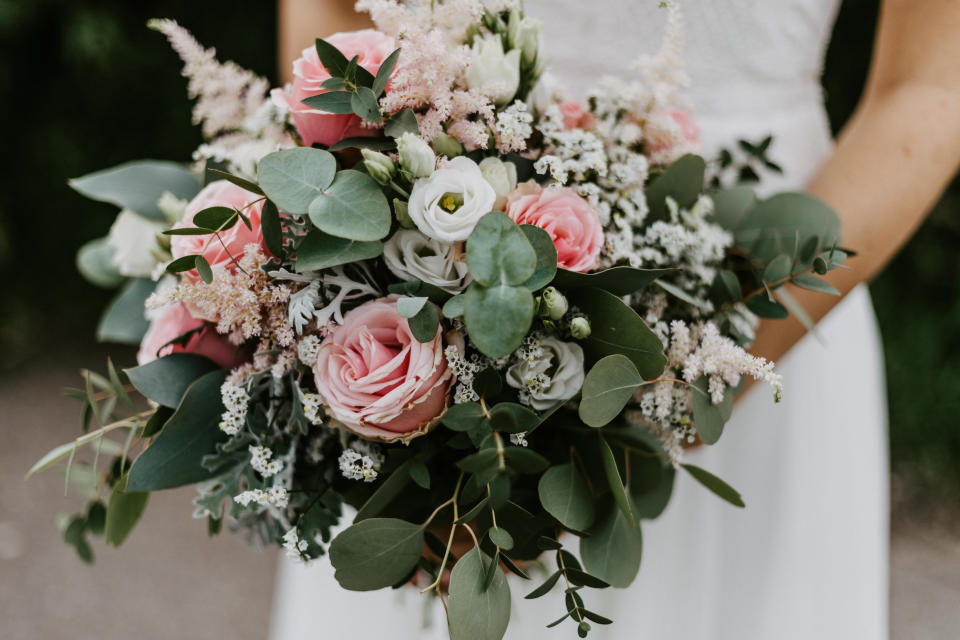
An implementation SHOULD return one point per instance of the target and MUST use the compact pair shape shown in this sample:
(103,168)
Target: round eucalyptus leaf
(463,417)
(293,178)
(453,308)
(682,181)
(613,549)
(709,418)
(565,495)
(546,252)
(475,612)
(95,263)
(320,250)
(375,553)
(498,318)
(498,252)
(353,207)
(784,223)
(501,537)
(608,387)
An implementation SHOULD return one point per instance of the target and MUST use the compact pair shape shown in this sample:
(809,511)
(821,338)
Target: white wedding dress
(807,558)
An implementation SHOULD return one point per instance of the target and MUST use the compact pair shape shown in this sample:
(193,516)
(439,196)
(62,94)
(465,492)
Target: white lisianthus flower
(415,155)
(412,256)
(494,72)
(447,205)
(545,381)
(133,239)
(502,176)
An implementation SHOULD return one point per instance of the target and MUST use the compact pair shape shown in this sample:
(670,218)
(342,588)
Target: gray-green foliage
(477,610)
(376,553)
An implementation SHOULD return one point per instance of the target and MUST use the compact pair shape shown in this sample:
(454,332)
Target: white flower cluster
(361,461)
(260,460)
(570,154)
(514,126)
(312,407)
(235,401)
(464,370)
(307,350)
(273,497)
(294,545)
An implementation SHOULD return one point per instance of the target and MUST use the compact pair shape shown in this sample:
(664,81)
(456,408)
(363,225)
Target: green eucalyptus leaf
(175,456)
(330,57)
(320,250)
(500,537)
(764,307)
(607,388)
(613,550)
(218,218)
(708,418)
(510,417)
(364,104)
(615,328)
(498,318)
(477,611)
(353,207)
(682,181)
(203,268)
(463,417)
(123,512)
(546,252)
(124,320)
(364,142)
(620,281)
(138,185)
(498,252)
(166,379)
(425,323)
(777,269)
(564,495)
(252,187)
(525,460)
(339,102)
(814,283)
(375,553)
(715,484)
(454,307)
(411,306)
(785,223)
(401,123)
(271,229)
(620,495)
(384,72)
(544,588)
(649,502)
(386,493)
(731,206)
(95,263)
(420,474)
(293,178)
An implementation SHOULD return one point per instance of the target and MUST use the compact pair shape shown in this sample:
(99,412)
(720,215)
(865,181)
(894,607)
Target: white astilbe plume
(664,73)
(226,93)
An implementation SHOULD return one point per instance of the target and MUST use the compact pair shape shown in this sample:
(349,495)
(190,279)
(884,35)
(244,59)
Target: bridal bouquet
(421,284)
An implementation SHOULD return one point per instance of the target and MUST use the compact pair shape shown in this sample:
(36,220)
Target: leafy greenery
(375,553)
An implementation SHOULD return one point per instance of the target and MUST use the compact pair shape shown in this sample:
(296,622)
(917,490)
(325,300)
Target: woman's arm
(302,21)
(895,156)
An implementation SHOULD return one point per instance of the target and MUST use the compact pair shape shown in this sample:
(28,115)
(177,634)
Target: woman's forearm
(302,21)
(890,165)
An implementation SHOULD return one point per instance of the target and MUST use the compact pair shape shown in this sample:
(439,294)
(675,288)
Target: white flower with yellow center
(447,205)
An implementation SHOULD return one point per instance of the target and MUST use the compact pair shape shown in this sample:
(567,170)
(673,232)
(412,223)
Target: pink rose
(567,217)
(377,380)
(175,320)
(219,194)
(371,46)
(575,116)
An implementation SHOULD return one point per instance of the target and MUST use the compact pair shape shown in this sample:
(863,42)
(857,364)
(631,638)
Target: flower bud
(525,34)
(502,176)
(446,145)
(493,71)
(553,303)
(580,328)
(379,166)
(416,156)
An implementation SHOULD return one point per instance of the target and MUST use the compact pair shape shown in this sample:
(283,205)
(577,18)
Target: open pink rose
(575,116)
(371,46)
(566,216)
(219,194)
(175,320)
(377,380)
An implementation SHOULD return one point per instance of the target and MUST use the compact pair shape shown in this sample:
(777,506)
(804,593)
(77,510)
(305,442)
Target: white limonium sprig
(260,460)
(361,461)
(514,126)
(235,400)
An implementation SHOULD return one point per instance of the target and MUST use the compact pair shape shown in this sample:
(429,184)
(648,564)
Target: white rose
(502,176)
(412,256)
(133,239)
(493,71)
(556,376)
(447,205)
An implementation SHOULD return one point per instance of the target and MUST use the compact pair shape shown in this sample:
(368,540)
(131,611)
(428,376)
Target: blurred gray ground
(171,581)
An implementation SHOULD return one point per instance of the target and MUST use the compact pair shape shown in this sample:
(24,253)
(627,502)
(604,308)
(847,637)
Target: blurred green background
(85,86)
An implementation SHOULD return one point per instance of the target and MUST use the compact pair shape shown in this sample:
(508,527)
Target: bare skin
(892,160)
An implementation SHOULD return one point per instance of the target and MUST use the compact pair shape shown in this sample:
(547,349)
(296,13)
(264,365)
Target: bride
(808,557)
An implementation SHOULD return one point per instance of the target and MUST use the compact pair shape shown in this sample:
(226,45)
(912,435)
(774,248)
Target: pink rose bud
(377,380)
(575,116)
(313,125)
(175,320)
(235,239)
(569,219)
